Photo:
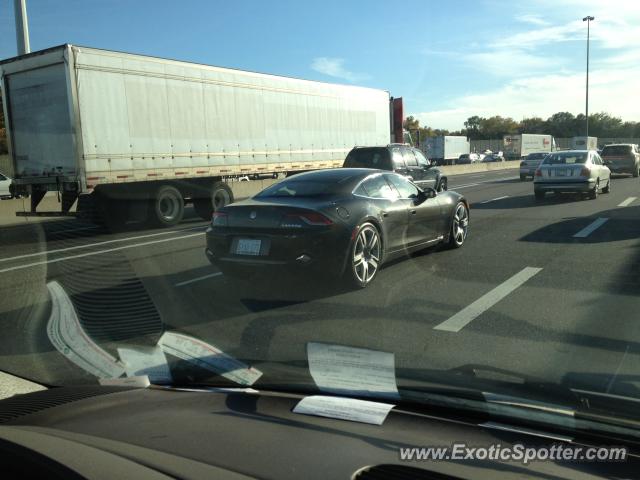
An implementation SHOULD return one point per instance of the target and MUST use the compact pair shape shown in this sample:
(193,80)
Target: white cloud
(510,62)
(334,67)
(609,91)
(532,19)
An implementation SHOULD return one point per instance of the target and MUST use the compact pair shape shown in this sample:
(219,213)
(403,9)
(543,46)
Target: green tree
(497,126)
(562,124)
(533,125)
(472,126)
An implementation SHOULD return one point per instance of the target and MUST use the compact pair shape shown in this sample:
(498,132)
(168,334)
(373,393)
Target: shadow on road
(622,224)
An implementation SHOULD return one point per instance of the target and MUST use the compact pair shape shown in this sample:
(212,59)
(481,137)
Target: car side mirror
(426,193)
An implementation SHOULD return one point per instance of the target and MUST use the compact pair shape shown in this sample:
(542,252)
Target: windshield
(177,204)
(565,158)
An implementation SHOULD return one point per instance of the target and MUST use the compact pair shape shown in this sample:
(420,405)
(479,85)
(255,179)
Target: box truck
(584,143)
(517,147)
(445,149)
(127,135)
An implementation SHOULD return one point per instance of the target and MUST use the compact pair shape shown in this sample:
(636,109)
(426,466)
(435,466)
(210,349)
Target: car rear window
(302,188)
(617,150)
(565,158)
(536,156)
(368,158)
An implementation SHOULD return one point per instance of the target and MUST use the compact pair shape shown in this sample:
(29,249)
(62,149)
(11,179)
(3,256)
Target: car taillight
(220,219)
(299,220)
(585,172)
(538,173)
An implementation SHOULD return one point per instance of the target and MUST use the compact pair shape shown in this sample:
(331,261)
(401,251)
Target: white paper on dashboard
(348,370)
(344,409)
(208,357)
(141,381)
(70,339)
(144,360)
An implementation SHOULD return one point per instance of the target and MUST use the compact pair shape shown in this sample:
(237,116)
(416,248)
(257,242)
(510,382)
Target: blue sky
(448,60)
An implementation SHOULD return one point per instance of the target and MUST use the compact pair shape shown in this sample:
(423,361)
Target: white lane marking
(628,202)
(495,180)
(89,245)
(488,300)
(589,229)
(497,198)
(197,279)
(99,252)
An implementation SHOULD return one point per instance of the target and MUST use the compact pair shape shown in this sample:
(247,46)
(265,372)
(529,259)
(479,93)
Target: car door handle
(384,214)
(413,211)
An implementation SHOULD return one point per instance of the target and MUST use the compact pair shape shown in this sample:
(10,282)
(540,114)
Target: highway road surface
(545,289)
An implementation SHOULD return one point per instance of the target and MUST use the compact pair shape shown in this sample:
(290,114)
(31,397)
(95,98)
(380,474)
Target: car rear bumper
(528,171)
(622,168)
(322,251)
(582,186)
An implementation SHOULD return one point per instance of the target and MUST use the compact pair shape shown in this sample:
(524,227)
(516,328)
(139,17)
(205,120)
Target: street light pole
(587,19)
(22,26)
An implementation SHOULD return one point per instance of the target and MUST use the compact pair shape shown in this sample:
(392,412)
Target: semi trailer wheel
(220,196)
(166,207)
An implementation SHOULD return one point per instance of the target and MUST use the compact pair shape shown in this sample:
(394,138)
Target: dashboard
(116,432)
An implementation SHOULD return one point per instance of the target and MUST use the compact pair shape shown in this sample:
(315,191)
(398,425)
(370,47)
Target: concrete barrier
(478,167)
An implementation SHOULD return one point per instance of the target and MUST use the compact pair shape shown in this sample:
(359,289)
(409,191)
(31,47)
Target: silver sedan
(572,171)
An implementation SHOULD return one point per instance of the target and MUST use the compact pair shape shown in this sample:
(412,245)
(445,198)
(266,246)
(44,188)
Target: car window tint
(422,160)
(409,157)
(398,160)
(565,158)
(368,158)
(2,178)
(377,187)
(404,186)
(616,150)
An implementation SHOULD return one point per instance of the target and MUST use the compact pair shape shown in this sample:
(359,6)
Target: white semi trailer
(519,146)
(131,136)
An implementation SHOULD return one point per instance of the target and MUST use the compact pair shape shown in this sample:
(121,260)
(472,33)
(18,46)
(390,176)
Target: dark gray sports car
(348,221)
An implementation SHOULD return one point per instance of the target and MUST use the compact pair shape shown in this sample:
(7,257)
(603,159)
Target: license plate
(247,246)
(561,173)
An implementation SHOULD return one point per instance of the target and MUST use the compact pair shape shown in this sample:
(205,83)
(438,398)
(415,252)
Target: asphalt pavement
(548,289)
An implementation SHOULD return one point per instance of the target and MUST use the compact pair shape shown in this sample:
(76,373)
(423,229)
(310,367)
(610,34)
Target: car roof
(619,145)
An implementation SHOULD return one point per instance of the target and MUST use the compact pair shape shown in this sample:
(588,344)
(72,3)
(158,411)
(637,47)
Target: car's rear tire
(593,194)
(523,178)
(365,256)
(459,226)
(607,189)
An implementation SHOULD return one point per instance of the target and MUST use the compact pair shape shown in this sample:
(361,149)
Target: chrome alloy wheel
(366,254)
(460,224)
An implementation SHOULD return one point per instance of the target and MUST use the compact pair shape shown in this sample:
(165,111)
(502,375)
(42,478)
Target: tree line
(560,125)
